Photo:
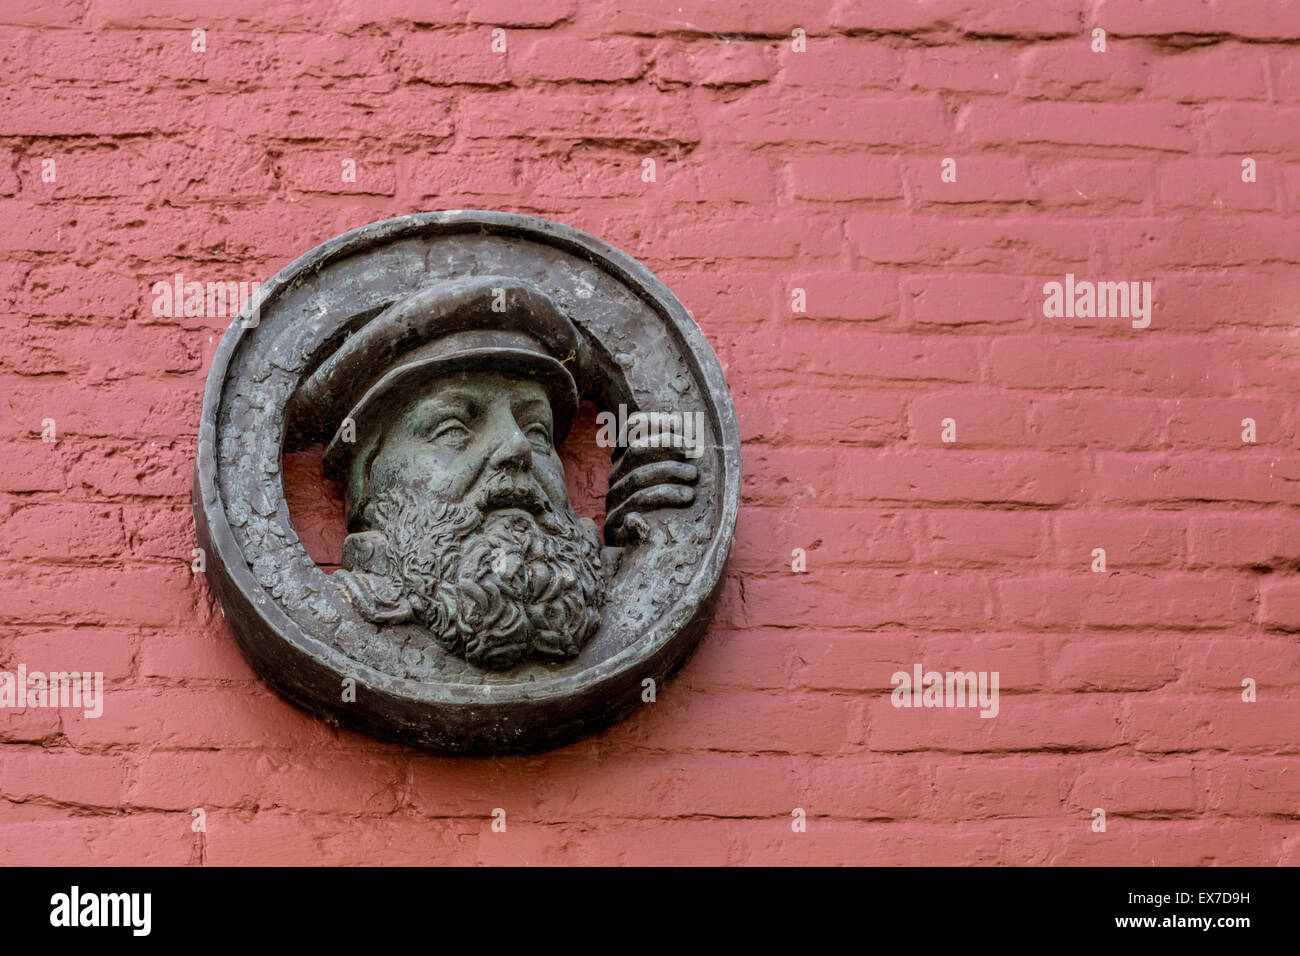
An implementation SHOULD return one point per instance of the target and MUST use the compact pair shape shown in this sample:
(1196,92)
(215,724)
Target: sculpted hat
(482,322)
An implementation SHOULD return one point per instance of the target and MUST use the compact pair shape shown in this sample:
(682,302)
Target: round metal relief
(440,359)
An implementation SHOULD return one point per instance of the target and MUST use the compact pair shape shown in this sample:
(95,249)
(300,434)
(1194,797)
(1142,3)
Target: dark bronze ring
(439,359)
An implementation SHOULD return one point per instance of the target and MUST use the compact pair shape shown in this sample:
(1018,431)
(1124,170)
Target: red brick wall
(776,170)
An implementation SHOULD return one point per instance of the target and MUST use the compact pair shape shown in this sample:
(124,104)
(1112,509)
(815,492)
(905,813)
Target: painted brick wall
(775,171)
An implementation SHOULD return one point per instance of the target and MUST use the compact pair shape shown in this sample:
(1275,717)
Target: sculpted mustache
(501,492)
(510,496)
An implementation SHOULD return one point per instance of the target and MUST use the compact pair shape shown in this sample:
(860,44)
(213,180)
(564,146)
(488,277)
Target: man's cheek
(550,475)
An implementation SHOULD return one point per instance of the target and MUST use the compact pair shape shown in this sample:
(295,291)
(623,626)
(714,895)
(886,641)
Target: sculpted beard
(494,588)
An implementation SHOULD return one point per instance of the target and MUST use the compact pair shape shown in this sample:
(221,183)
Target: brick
(1135,477)
(1120,600)
(1070,70)
(915,475)
(734,179)
(1132,125)
(1008,787)
(308,60)
(1243,539)
(1182,842)
(578,115)
(110,650)
(830,177)
(854,598)
(591,173)
(979,179)
(714,62)
(117,596)
(1085,420)
(957,300)
(978,419)
(1251,785)
(192,654)
(1048,18)
(1224,664)
(154,839)
(1219,424)
(958,243)
(757,118)
(276,837)
(815,723)
(1281,66)
(1106,662)
(1169,724)
(1129,788)
(1134,364)
(96,352)
(325,172)
(1082,722)
(63,776)
(317,782)
(854,788)
(543,13)
(1250,19)
(33,465)
(832,416)
(1094,184)
(1214,184)
(142,468)
(124,407)
(1225,70)
(449,175)
(57,531)
(830,537)
(744,238)
(857,63)
(439,60)
(353,13)
(1279,604)
(1151,246)
(853,296)
(959,538)
(768,661)
(987,68)
(768,17)
(1130,539)
(559,59)
(98,173)
(638,786)
(174,13)
(1237,129)
(60,13)
(204,718)
(847,659)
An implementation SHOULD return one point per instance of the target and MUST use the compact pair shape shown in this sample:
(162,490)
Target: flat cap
(490,322)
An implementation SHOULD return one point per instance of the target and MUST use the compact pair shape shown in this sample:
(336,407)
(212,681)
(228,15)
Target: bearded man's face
(469,495)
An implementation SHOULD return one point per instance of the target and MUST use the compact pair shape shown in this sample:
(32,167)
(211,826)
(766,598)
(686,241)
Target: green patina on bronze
(441,359)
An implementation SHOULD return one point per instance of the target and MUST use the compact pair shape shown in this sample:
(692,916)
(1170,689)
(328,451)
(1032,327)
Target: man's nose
(511,449)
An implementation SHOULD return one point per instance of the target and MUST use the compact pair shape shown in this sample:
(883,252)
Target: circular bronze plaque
(439,357)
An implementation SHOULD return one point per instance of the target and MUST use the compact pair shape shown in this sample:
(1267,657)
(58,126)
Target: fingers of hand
(672,473)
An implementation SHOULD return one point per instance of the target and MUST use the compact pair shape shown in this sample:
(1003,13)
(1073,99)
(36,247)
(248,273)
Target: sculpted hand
(652,472)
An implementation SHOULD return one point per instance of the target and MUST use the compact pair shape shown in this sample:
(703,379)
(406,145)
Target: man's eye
(539,435)
(450,434)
